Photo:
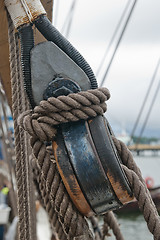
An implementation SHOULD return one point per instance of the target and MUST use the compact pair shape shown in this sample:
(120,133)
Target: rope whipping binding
(65,219)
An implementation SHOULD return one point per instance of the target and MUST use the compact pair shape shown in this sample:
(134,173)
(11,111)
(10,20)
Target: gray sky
(93,25)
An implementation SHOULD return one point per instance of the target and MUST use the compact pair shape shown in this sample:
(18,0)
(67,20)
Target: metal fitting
(61,86)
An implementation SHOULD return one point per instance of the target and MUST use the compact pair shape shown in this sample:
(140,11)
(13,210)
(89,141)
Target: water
(150,166)
(133,226)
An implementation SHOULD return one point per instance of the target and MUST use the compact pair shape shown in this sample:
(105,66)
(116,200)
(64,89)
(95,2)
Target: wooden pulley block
(96,167)
(86,157)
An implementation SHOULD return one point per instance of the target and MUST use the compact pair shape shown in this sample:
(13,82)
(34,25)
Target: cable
(148,113)
(117,45)
(55,16)
(144,102)
(113,37)
(69,19)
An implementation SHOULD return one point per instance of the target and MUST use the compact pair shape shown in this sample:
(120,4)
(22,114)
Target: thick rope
(110,222)
(127,160)
(36,127)
(149,210)
(33,123)
(73,223)
(139,189)
(39,124)
(41,121)
(44,198)
(75,106)
(22,214)
(140,192)
(26,223)
(42,127)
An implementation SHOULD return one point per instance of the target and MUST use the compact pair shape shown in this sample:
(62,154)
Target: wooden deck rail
(143,147)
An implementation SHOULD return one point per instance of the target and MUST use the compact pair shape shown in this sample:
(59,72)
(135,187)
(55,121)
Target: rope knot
(42,121)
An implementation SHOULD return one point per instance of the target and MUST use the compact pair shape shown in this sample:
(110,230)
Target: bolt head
(61,86)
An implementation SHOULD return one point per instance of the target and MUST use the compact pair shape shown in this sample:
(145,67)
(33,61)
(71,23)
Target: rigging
(69,20)
(149,112)
(113,37)
(117,44)
(144,102)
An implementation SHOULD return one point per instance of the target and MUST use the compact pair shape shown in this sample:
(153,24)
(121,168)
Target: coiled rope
(39,124)
(73,223)
(70,224)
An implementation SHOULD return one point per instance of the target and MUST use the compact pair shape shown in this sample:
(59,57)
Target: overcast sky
(130,74)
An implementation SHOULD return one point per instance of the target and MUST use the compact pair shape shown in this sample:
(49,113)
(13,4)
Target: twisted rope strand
(35,124)
(46,203)
(111,221)
(23,105)
(127,160)
(23,215)
(39,124)
(139,189)
(72,222)
(25,205)
(149,211)
(73,101)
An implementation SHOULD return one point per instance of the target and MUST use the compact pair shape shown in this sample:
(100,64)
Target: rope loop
(73,101)
(41,124)
(42,121)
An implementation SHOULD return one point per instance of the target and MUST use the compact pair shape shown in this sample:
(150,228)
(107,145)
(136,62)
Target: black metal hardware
(86,157)
(61,86)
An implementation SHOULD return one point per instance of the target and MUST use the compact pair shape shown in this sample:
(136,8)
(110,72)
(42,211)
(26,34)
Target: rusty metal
(24,11)
(78,161)
(87,167)
(85,154)
(68,176)
(109,158)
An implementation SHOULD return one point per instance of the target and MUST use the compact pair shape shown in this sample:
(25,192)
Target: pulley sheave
(86,157)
